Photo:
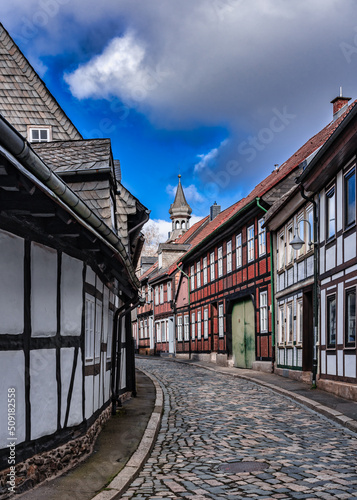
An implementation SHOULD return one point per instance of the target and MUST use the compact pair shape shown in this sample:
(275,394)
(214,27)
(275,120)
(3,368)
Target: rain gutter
(13,142)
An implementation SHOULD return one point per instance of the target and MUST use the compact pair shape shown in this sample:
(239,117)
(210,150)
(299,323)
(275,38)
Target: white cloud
(192,194)
(209,158)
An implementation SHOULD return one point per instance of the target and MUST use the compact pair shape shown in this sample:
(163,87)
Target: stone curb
(132,468)
(330,413)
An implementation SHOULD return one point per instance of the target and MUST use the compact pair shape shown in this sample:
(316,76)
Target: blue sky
(220,90)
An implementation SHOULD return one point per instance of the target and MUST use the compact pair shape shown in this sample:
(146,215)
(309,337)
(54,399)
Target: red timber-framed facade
(331,180)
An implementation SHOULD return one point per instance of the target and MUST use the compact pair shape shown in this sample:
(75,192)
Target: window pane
(331,213)
(331,321)
(351,317)
(350,197)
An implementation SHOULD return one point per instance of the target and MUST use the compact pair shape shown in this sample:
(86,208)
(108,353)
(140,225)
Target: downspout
(272,289)
(189,308)
(315,289)
(116,353)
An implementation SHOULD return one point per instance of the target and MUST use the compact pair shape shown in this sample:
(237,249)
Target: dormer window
(39,134)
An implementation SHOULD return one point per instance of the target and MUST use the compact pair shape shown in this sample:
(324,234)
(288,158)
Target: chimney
(214,210)
(338,103)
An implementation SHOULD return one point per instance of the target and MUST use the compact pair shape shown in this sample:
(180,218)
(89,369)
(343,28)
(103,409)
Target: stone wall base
(182,355)
(55,462)
(299,375)
(341,389)
(262,366)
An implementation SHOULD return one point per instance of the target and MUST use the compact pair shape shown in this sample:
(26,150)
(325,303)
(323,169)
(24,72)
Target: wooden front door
(243,334)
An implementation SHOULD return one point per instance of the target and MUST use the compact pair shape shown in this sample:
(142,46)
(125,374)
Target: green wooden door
(243,334)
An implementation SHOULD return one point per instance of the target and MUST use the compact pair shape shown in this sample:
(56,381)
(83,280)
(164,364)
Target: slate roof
(24,97)
(70,156)
(180,204)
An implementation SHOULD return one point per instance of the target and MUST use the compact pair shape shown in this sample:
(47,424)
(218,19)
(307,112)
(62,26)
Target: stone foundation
(263,366)
(299,375)
(341,389)
(54,462)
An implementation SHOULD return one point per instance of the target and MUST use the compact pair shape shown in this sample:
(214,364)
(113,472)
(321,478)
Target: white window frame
(229,256)
(211,267)
(161,293)
(205,323)
(31,129)
(205,271)
(289,323)
(186,327)
(220,262)
(98,328)
(193,326)
(142,329)
(263,309)
(199,324)
(110,333)
(163,331)
(281,329)
(159,260)
(156,295)
(145,328)
(192,278)
(149,294)
(290,250)
(239,250)
(261,238)
(158,331)
(220,320)
(281,250)
(169,291)
(299,320)
(250,244)
(198,271)
(301,228)
(89,327)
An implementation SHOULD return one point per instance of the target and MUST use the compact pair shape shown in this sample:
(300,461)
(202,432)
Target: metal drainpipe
(116,354)
(272,289)
(315,288)
(189,309)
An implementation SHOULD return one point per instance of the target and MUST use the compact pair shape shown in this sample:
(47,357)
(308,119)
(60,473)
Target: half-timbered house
(330,179)
(67,277)
(296,270)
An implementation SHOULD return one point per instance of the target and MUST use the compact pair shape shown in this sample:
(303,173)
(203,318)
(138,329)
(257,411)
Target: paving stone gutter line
(330,413)
(133,467)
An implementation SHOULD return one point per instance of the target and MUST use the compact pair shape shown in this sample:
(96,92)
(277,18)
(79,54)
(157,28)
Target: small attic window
(39,134)
(160,260)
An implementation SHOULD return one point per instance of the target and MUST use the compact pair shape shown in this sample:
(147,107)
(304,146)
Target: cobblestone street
(212,421)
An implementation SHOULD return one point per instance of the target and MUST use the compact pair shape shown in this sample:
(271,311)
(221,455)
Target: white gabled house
(67,278)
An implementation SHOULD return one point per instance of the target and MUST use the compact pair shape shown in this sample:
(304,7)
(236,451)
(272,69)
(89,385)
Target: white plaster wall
(105,314)
(90,276)
(43,392)
(323,318)
(88,388)
(43,291)
(350,365)
(323,362)
(310,266)
(11,284)
(123,369)
(71,295)
(96,393)
(75,413)
(350,247)
(339,243)
(331,365)
(330,258)
(12,375)
(340,363)
(322,260)
(107,385)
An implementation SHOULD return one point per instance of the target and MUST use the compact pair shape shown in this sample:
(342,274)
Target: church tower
(180,213)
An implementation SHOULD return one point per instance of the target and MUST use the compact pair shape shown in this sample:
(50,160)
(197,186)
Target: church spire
(180,213)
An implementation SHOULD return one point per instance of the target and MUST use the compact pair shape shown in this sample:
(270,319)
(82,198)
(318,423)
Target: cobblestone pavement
(211,421)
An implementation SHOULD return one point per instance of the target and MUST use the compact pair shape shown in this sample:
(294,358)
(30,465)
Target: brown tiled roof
(67,156)
(24,98)
(273,179)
